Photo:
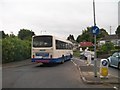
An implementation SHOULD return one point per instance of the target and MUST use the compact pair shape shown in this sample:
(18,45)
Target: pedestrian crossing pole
(95,60)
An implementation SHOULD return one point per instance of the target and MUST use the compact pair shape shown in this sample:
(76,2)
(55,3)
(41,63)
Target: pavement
(87,74)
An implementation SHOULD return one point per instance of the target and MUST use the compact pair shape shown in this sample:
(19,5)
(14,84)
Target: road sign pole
(95,60)
(94,13)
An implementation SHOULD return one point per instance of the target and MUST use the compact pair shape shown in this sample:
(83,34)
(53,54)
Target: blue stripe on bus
(50,60)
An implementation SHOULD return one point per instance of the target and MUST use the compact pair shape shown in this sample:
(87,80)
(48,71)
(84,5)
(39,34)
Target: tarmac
(86,72)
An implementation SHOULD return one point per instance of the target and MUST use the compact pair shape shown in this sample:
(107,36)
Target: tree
(85,36)
(118,31)
(71,38)
(78,38)
(25,34)
(88,36)
(12,35)
(102,34)
(2,34)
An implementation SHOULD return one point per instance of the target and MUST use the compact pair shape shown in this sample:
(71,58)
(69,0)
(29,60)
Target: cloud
(61,17)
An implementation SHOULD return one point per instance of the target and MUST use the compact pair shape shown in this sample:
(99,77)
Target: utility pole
(110,29)
(43,31)
(95,59)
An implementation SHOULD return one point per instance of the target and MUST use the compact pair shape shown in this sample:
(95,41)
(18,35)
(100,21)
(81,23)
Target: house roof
(111,37)
(86,44)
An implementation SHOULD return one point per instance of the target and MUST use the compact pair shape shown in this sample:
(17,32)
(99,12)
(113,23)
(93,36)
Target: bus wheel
(63,60)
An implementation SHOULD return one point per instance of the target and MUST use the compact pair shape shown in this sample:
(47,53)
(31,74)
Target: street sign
(104,63)
(103,68)
(95,30)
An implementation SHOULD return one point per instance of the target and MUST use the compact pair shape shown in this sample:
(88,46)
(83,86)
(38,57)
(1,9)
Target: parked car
(114,60)
(83,55)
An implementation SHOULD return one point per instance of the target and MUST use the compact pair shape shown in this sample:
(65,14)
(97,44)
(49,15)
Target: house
(86,44)
(75,45)
(110,38)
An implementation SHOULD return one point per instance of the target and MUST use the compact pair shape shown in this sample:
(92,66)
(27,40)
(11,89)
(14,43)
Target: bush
(76,53)
(14,49)
(117,47)
(105,50)
(107,47)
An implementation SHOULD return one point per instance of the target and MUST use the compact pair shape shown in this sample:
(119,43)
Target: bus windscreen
(42,41)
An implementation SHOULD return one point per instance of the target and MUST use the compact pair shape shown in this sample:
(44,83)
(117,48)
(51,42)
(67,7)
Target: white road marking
(115,88)
(74,63)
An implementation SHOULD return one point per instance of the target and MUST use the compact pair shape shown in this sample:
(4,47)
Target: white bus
(50,49)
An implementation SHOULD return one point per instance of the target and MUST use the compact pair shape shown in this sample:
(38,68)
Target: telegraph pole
(110,29)
(95,59)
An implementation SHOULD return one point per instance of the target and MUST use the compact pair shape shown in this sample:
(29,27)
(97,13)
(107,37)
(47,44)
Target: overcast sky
(58,17)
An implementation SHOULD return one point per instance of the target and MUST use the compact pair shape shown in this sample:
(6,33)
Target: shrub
(107,47)
(14,49)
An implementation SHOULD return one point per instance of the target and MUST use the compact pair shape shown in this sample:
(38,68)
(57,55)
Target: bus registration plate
(41,54)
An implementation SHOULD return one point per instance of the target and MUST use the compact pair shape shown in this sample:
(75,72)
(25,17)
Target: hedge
(14,49)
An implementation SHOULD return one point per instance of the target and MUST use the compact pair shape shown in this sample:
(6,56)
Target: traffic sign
(103,68)
(95,30)
(104,63)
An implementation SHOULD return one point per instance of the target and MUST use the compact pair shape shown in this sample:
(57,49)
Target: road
(45,76)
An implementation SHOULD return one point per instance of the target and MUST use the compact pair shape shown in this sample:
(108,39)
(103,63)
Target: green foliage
(102,34)
(107,47)
(14,49)
(76,53)
(88,36)
(117,48)
(105,50)
(85,36)
(71,38)
(25,34)
(78,38)
(3,35)
(118,31)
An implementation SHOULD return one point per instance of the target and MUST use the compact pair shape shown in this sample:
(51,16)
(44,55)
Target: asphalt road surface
(45,76)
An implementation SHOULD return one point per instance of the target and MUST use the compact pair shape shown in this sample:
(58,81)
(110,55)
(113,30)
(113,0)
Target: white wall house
(111,38)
